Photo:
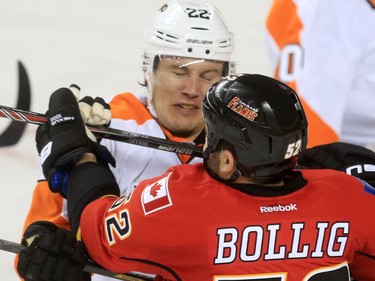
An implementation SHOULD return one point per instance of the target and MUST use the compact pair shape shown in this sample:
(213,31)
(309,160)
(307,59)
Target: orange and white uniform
(325,50)
(133,163)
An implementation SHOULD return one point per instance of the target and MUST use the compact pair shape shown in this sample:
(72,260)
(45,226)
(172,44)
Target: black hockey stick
(109,133)
(13,133)
(16,248)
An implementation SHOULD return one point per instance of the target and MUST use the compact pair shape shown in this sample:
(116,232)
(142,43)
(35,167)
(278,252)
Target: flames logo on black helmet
(261,119)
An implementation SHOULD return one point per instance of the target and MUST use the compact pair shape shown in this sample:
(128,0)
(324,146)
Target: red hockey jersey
(185,225)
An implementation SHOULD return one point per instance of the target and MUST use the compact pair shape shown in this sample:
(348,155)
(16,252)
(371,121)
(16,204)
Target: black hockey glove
(64,138)
(51,253)
(352,159)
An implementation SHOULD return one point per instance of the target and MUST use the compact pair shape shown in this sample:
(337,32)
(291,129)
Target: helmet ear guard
(261,118)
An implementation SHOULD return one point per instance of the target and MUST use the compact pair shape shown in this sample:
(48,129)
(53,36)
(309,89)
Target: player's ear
(227,164)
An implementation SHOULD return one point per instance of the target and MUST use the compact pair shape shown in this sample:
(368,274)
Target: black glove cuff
(103,155)
(86,183)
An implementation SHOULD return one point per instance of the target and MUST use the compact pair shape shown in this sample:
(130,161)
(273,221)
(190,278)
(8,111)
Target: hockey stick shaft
(16,248)
(109,133)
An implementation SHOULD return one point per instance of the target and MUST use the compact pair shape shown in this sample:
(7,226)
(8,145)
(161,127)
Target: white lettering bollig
(279,208)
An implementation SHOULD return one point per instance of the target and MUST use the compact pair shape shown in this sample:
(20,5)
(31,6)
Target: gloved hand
(52,253)
(352,159)
(95,112)
(64,138)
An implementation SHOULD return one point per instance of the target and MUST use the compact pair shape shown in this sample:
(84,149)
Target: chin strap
(150,107)
(147,77)
(237,173)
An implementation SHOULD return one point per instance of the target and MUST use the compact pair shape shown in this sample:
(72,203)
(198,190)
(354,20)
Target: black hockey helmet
(261,119)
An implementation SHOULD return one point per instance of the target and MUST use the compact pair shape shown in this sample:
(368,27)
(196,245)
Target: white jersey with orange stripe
(326,51)
(135,163)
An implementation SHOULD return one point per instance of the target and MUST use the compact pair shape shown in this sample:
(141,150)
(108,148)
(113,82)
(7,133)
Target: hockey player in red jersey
(245,214)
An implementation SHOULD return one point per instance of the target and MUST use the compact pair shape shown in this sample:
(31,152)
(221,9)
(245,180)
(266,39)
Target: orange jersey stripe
(319,132)
(289,24)
(52,207)
(129,108)
(183,157)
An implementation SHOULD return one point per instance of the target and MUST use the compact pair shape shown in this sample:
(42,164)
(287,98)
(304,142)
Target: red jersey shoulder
(178,182)
(186,171)
(184,174)
(337,181)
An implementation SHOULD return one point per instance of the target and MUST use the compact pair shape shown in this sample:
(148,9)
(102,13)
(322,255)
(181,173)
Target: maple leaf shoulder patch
(156,196)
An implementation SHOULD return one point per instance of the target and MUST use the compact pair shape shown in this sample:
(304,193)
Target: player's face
(179,86)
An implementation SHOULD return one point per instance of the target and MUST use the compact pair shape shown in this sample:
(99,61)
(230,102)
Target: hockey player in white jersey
(188,48)
(325,50)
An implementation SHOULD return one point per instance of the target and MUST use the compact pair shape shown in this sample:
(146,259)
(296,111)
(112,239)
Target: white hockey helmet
(190,30)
